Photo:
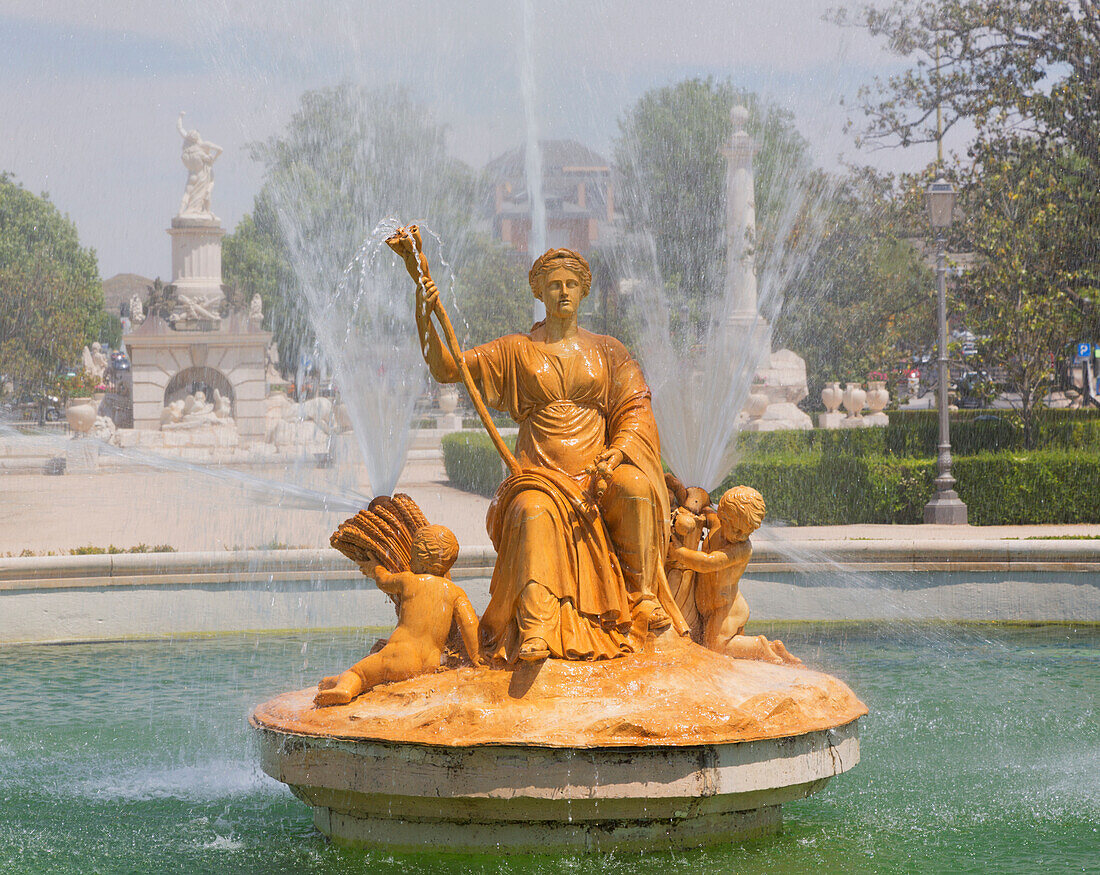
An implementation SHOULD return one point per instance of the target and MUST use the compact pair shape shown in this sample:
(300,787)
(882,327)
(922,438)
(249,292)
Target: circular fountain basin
(674,748)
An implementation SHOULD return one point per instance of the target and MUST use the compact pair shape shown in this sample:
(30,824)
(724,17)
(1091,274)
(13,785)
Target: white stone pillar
(740,218)
(197,256)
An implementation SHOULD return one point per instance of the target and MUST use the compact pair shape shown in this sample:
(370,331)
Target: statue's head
(435,549)
(555,259)
(741,511)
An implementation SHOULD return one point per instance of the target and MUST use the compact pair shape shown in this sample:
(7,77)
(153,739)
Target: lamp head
(941,204)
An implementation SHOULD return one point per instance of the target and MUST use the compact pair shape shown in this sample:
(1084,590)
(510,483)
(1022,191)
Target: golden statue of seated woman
(582,524)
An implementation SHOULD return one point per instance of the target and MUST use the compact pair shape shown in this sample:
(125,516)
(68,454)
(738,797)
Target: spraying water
(533,152)
(702,312)
(373,154)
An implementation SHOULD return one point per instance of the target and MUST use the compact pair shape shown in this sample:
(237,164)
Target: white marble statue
(195,411)
(172,413)
(197,405)
(137,310)
(95,361)
(104,429)
(256,310)
(223,407)
(271,366)
(198,157)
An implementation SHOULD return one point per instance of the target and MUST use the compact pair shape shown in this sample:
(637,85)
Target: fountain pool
(137,758)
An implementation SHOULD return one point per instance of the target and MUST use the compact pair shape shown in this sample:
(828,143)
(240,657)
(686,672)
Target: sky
(90,91)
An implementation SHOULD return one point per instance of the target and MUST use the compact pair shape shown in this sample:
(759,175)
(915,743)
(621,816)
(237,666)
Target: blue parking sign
(1084,350)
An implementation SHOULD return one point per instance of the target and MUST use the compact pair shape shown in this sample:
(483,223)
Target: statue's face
(561,292)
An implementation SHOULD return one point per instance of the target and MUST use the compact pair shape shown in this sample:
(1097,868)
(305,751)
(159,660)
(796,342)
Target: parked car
(120,361)
(974,389)
(28,407)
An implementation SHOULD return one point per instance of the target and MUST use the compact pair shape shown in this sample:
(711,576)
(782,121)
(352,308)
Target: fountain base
(678,747)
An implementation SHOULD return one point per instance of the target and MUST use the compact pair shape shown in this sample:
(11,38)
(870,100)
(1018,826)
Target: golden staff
(416,263)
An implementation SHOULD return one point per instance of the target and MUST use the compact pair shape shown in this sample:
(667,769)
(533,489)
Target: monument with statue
(607,698)
(198,361)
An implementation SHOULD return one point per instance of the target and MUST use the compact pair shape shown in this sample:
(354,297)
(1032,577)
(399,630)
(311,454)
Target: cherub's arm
(698,560)
(387,581)
(710,517)
(467,625)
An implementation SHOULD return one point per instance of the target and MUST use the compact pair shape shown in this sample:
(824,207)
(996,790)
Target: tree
(866,304)
(837,276)
(669,155)
(348,159)
(493,293)
(255,261)
(1023,73)
(51,301)
(1016,211)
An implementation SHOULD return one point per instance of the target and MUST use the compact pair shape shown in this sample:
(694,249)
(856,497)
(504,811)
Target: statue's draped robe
(569,406)
(200,180)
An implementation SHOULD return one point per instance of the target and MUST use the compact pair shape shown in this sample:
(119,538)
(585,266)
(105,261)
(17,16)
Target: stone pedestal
(82,455)
(674,748)
(197,255)
(945,509)
(783,376)
(830,419)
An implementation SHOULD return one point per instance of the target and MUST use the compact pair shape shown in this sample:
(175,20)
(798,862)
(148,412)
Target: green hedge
(915,434)
(827,484)
(472,462)
(1006,488)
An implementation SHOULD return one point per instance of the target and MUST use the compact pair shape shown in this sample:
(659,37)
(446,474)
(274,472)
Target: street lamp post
(945,507)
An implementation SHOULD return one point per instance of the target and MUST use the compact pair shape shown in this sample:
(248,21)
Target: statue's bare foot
(533,650)
(332,697)
(329,682)
(784,654)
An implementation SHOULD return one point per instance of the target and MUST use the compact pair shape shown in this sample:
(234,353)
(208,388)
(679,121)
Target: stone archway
(193,379)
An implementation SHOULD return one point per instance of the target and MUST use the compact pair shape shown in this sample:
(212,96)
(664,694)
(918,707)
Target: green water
(981,754)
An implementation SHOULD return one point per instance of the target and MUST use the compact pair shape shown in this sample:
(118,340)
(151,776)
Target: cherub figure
(692,515)
(719,566)
(427,605)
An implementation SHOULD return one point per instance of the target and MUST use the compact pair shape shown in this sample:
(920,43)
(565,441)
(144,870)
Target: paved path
(192,511)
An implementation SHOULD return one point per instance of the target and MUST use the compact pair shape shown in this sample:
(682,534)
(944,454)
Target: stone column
(197,256)
(740,217)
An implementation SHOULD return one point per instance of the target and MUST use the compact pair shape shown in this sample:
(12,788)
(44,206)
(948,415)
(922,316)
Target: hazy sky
(89,91)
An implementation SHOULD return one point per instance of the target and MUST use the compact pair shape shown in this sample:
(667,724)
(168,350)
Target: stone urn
(832,396)
(855,398)
(877,398)
(756,405)
(450,419)
(81,414)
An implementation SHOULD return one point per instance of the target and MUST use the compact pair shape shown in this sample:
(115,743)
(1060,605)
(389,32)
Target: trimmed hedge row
(472,462)
(1005,488)
(819,488)
(915,434)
